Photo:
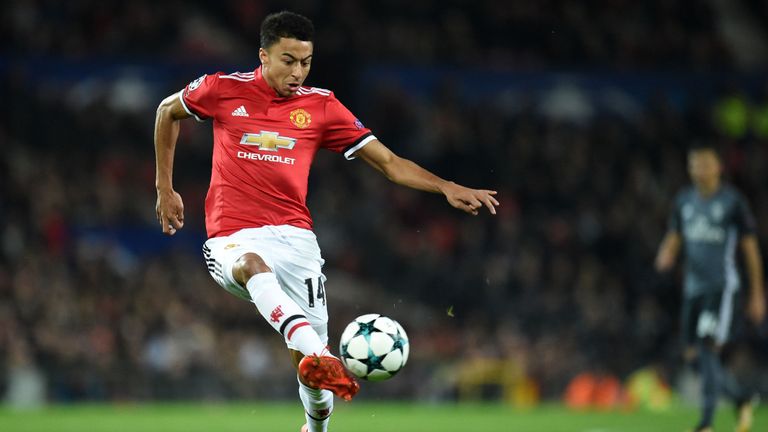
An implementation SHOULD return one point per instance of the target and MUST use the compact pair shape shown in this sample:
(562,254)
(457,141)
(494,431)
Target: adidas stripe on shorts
(293,255)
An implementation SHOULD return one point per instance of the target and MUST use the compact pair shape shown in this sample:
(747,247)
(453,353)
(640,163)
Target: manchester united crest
(300,118)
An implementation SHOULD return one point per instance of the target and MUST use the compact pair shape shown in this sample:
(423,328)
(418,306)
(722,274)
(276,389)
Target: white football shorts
(293,255)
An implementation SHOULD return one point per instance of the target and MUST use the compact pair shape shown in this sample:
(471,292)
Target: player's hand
(664,262)
(756,309)
(170,211)
(470,200)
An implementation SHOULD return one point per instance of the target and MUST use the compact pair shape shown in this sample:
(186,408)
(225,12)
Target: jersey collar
(263,84)
(707,198)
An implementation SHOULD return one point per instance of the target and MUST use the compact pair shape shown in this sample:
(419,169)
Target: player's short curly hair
(286,24)
(699,146)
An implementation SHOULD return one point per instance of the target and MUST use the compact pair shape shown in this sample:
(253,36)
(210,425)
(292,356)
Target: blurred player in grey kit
(708,221)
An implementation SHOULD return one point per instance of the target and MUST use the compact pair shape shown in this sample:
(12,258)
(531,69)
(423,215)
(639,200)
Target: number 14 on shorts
(311,283)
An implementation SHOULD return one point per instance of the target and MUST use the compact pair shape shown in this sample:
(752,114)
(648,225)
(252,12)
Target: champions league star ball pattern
(374,347)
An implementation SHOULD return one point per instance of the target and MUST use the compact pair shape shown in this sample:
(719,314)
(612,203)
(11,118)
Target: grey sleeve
(674,222)
(745,220)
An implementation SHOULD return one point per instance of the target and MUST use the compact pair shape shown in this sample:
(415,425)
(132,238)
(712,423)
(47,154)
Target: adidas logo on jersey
(240,112)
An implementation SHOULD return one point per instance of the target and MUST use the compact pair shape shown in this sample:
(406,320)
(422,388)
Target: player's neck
(708,190)
(267,79)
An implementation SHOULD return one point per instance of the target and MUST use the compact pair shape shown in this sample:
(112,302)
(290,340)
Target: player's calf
(745,412)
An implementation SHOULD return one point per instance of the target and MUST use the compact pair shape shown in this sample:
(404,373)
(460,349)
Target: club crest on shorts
(300,118)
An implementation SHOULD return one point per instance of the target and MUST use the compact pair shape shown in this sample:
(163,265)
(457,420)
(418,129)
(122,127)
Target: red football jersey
(263,146)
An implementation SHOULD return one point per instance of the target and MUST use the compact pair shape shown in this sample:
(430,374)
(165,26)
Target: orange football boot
(328,373)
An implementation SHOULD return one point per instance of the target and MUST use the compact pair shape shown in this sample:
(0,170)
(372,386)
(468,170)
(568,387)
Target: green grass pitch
(352,417)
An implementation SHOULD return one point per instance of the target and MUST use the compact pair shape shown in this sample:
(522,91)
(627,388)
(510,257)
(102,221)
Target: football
(374,347)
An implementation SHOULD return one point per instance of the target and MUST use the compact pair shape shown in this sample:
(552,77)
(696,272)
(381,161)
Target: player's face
(704,168)
(285,65)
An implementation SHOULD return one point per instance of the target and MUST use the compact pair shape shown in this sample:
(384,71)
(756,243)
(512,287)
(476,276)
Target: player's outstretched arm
(169,207)
(407,173)
(754,264)
(668,251)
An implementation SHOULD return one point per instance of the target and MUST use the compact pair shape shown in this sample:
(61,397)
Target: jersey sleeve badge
(196,83)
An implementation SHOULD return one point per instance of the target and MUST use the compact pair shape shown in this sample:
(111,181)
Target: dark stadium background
(577,112)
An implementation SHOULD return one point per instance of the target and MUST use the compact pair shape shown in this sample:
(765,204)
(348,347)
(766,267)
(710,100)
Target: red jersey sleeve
(344,133)
(200,97)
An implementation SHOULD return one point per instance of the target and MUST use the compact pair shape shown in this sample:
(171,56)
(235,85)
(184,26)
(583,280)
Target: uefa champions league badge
(359,124)
(196,83)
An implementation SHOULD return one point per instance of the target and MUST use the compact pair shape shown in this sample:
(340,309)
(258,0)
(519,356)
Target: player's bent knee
(247,266)
(709,344)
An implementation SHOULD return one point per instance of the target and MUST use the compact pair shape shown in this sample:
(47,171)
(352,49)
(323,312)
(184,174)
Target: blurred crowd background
(578,112)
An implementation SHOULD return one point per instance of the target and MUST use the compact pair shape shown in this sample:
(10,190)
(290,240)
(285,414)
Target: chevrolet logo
(268,141)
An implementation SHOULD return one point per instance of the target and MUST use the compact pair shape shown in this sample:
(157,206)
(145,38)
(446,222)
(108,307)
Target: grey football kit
(711,228)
